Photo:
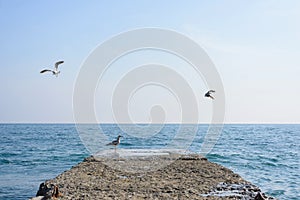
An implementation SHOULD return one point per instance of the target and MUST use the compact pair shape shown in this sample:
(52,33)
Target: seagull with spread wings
(208,94)
(55,71)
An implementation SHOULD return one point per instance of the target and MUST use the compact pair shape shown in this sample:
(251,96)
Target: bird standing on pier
(55,71)
(115,142)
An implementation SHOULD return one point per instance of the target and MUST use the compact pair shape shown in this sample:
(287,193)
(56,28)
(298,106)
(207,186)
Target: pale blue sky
(254,45)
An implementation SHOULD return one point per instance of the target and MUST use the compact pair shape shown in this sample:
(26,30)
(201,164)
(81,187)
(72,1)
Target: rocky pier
(188,176)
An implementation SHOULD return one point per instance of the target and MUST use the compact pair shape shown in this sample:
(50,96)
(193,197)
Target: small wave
(9,154)
(218,158)
(276,192)
(126,144)
(4,161)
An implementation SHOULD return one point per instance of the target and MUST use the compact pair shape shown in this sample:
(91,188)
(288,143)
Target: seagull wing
(45,70)
(58,63)
(115,142)
(211,91)
(112,143)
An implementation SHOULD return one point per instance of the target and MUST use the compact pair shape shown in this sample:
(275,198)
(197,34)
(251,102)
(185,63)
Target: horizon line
(124,123)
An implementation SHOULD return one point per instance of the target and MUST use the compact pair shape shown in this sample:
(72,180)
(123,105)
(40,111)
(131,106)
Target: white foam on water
(127,153)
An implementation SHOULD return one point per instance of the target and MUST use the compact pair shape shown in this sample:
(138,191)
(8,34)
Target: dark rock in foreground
(188,177)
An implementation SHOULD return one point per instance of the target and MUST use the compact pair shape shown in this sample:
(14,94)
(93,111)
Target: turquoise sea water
(266,155)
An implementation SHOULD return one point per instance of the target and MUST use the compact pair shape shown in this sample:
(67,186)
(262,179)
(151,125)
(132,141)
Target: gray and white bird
(55,71)
(208,94)
(115,142)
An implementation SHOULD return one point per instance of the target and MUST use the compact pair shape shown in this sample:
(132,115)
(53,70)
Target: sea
(265,154)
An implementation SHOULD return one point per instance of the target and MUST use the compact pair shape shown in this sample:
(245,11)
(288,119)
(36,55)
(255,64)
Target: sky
(254,46)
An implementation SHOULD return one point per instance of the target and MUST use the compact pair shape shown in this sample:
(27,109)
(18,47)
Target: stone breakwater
(188,177)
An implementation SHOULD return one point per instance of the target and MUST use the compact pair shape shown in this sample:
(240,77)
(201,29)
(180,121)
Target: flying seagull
(55,71)
(115,142)
(208,94)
